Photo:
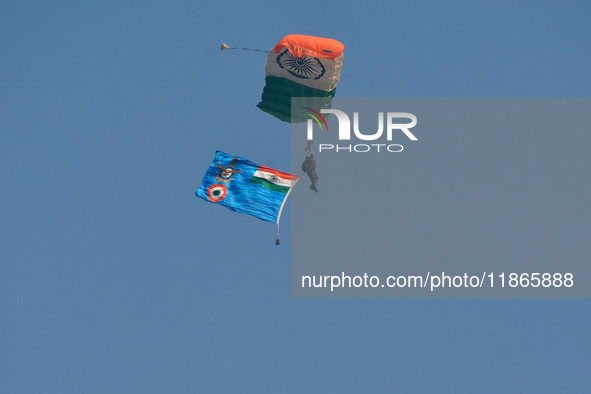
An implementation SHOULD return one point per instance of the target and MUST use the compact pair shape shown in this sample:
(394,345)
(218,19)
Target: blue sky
(114,277)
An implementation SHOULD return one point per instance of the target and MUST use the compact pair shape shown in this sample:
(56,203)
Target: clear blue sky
(114,277)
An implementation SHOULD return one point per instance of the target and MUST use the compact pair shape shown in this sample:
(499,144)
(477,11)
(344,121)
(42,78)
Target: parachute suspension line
(250,49)
(277,241)
(308,151)
(225,46)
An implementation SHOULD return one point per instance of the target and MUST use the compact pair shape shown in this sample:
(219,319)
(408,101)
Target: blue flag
(243,186)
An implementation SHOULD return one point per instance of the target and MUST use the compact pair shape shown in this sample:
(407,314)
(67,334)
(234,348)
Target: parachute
(301,66)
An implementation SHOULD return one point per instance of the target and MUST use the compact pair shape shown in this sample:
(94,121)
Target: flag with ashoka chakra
(243,186)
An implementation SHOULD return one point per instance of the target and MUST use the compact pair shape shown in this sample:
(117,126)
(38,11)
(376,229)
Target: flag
(246,187)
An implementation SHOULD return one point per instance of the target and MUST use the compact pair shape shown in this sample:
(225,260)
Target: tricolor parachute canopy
(301,66)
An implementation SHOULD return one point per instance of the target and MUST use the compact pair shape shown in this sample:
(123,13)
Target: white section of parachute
(328,81)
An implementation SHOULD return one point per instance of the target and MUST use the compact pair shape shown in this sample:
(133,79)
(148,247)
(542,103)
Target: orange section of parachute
(301,45)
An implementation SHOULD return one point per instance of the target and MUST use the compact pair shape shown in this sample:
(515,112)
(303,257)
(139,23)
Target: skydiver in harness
(309,167)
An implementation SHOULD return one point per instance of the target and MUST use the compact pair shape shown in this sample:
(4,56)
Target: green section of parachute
(277,94)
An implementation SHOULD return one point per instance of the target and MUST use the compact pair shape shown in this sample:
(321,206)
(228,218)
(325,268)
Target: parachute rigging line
(224,46)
